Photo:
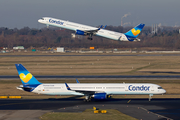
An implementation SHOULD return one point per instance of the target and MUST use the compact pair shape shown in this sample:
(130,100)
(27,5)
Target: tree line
(167,38)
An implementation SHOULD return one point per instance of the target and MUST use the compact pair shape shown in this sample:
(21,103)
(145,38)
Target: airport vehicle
(89,90)
(91,31)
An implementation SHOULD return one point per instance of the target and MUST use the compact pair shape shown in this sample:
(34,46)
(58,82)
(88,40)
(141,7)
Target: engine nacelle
(99,96)
(79,32)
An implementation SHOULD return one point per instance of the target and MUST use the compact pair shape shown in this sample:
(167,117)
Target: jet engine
(79,32)
(99,96)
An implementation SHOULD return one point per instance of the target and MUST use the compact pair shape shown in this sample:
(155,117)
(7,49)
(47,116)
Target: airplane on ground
(91,31)
(97,91)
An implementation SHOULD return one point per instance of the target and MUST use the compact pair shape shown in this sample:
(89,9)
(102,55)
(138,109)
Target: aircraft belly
(107,36)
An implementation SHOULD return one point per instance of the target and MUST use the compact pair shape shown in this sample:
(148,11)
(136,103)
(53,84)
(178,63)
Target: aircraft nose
(164,91)
(40,20)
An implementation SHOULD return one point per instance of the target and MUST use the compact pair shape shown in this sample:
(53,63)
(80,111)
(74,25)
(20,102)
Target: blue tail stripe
(140,26)
(20,67)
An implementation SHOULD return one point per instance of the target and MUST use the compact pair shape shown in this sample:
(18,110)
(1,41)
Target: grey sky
(21,13)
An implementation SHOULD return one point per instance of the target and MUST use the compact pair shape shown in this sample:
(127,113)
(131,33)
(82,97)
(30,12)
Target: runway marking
(129,101)
(155,114)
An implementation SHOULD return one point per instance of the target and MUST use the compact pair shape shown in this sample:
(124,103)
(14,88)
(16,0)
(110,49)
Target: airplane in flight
(97,91)
(89,31)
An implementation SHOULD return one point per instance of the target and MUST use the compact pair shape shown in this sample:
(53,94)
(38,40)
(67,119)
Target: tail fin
(26,77)
(133,33)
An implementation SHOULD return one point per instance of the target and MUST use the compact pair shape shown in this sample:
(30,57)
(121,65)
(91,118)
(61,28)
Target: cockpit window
(42,18)
(160,88)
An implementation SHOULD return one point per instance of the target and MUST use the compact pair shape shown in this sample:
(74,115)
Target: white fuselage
(75,26)
(108,88)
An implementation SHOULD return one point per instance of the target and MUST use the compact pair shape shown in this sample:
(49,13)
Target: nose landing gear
(150,97)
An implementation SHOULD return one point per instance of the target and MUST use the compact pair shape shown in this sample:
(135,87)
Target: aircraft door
(152,88)
(41,89)
(126,88)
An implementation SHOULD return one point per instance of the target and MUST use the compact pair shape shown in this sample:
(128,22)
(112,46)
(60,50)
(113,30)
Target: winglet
(100,27)
(77,81)
(104,27)
(68,88)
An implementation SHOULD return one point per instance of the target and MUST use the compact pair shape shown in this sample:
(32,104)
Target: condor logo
(25,78)
(138,88)
(57,22)
(135,32)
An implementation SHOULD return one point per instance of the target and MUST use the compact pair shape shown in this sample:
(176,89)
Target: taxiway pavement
(157,109)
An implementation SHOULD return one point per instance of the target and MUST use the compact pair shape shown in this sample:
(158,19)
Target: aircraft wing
(92,31)
(86,92)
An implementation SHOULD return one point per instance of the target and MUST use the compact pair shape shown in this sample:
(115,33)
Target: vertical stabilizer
(133,33)
(26,77)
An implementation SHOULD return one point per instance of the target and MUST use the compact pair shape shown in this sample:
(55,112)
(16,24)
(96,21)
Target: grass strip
(88,114)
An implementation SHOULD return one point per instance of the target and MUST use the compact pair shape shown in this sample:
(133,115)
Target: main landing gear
(87,98)
(90,37)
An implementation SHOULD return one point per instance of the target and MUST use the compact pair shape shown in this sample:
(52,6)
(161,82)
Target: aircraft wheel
(87,100)
(90,38)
